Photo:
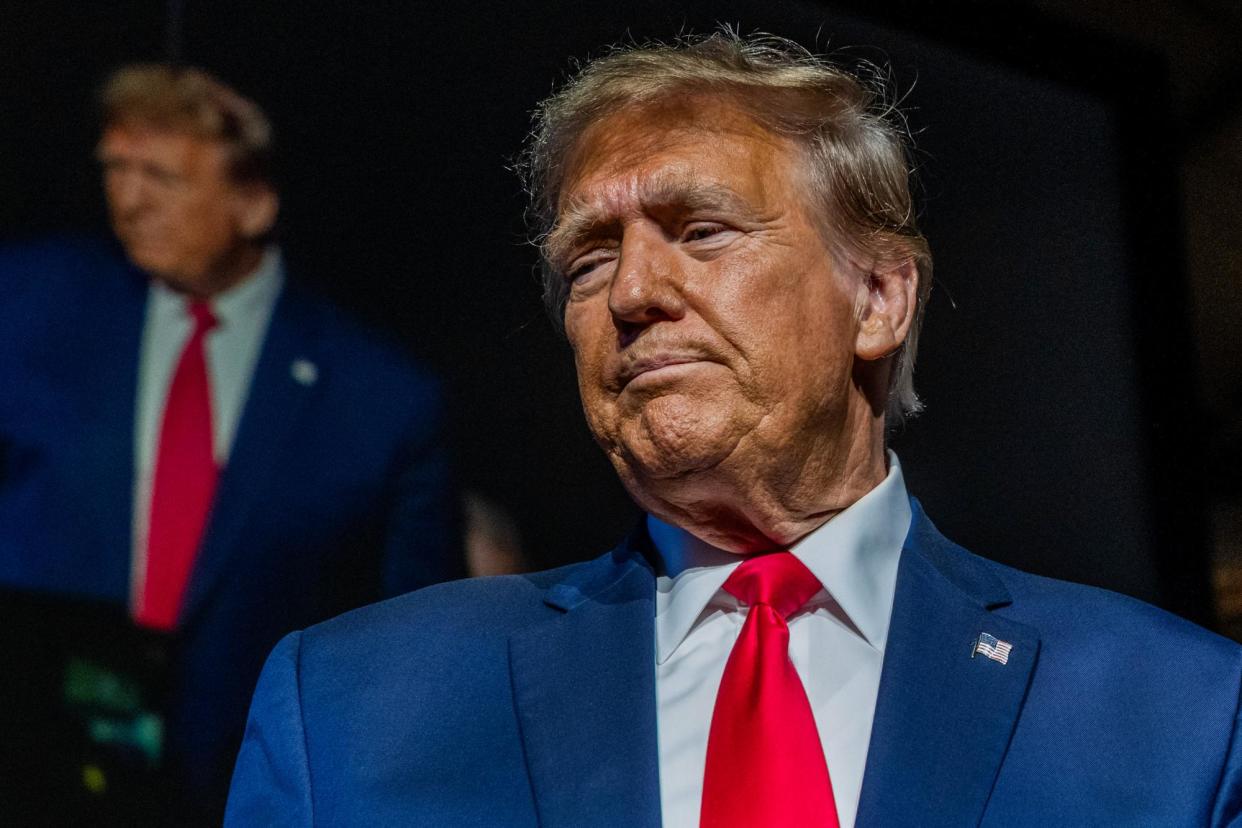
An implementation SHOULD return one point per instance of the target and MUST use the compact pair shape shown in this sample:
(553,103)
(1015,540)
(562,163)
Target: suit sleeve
(1227,812)
(423,541)
(271,782)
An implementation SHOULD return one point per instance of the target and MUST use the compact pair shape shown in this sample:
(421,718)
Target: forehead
(661,152)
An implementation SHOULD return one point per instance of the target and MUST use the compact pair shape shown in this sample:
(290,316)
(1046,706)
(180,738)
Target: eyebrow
(579,220)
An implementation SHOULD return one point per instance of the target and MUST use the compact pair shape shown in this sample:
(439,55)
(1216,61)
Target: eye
(583,266)
(166,178)
(700,230)
(578,271)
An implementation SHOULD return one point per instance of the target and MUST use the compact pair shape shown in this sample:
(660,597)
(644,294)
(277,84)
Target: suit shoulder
(367,376)
(66,251)
(472,612)
(1071,614)
(60,266)
(379,352)
(1096,620)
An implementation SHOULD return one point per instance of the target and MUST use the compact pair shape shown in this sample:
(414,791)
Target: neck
(227,272)
(760,501)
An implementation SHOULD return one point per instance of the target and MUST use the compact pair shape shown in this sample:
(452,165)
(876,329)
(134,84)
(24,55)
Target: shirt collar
(854,555)
(251,296)
(255,293)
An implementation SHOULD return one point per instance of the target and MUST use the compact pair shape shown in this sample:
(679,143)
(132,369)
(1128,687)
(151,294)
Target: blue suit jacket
(530,701)
(336,492)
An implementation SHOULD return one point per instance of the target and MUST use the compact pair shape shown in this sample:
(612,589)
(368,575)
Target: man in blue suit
(227,485)
(786,640)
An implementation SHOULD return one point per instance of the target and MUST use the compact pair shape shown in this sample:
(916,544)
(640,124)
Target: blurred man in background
(186,433)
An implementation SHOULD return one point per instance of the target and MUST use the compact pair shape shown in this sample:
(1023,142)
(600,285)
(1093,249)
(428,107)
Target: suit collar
(584,689)
(943,718)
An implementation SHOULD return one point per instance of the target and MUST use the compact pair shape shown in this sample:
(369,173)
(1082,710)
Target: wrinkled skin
(730,364)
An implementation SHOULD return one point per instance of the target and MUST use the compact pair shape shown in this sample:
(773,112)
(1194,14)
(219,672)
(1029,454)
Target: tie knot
(778,579)
(204,319)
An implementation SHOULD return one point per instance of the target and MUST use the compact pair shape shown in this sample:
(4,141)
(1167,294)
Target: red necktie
(765,764)
(185,480)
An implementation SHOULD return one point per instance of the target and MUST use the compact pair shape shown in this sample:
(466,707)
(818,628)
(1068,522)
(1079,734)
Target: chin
(675,436)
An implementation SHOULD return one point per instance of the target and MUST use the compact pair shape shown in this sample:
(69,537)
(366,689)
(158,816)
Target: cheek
(205,224)
(111,191)
(790,323)
(825,326)
(587,356)
(588,327)
(591,339)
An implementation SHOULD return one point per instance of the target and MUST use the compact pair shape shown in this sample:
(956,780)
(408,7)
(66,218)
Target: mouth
(659,367)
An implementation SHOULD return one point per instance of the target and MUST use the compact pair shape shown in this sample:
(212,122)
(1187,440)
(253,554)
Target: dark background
(1071,427)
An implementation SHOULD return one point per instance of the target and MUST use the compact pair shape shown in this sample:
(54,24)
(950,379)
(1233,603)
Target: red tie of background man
(765,764)
(185,480)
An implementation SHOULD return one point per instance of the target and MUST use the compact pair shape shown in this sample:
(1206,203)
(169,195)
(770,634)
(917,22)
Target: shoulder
(466,621)
(1086,627)
(368,385)
(66,289)
(1089,629)
(67,251)
(443,648)
(61,265)
(474,608)
(418,685)
(366,365)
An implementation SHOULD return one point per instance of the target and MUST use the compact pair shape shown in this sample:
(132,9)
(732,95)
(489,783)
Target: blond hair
(855,143)
(190,100)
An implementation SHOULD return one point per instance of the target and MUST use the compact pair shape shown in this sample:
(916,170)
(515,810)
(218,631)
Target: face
(176,209)
(710,323)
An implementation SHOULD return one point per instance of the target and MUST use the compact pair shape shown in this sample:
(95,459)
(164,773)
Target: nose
(646,287)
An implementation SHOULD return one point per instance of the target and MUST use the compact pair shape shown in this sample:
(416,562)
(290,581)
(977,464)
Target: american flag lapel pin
(992,647)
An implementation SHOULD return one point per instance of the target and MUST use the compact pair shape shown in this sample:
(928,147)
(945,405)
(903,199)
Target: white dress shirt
(836,641)
(231,351)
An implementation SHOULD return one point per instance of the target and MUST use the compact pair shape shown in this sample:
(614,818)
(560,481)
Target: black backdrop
(1055,360)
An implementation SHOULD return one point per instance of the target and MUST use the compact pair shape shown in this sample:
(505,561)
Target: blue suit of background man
(336,491)
(530,700)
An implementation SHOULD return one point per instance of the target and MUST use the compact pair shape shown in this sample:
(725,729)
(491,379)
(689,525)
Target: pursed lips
(636,367)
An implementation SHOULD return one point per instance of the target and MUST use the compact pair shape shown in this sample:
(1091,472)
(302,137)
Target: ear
(257,206)
(887,309)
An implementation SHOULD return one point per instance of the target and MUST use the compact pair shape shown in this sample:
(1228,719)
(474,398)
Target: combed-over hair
(190,100)
(855,142)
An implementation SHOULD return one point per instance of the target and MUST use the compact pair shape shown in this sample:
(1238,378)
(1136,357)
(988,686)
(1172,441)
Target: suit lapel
(584,688)
(943,718)
(274,403)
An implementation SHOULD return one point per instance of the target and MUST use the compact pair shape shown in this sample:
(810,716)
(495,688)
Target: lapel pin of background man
(729,240)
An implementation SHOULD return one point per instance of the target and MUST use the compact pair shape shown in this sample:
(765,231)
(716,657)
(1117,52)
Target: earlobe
(888,309)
